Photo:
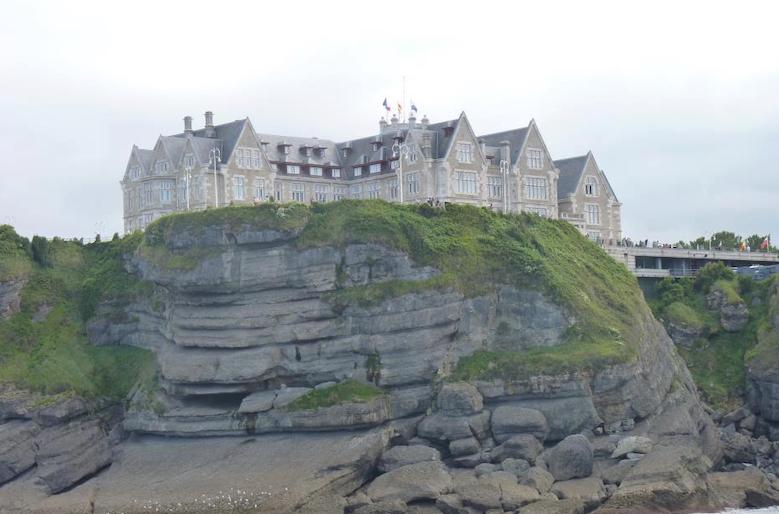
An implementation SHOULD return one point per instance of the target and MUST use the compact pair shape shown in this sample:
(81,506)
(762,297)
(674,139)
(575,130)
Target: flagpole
(404,98)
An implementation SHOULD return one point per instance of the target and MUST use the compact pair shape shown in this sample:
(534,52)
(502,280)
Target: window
(146,194)
(412,153)
(320,192)
(535,158)
(375,167)
(293,169)
(315,171)
(590,186)
(339,192)
(238,193)
(393,189)
(259,189)
(166,188)
(464,152)
(335,172)
(135,171)
(541,211)
(495,187)
(247,158)
(298,192)
(373,190)
(535,188)
(394,164)
(274,167)
(355,191)
(412,179)
(256,159)
(357,171)
(198,189)
(161,167)
(465,182)
(189,161)
(593,214)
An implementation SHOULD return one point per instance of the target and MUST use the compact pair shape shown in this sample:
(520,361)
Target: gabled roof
(515,137)
(274,145)
(364,150)
(144,158)
(571,170)
(442,140)
(174,147)
(227,135)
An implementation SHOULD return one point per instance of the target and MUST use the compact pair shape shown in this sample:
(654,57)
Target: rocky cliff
(493,362)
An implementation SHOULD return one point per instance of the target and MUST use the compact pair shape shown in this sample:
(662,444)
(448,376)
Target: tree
(701,242)
(41,251)
(725,240)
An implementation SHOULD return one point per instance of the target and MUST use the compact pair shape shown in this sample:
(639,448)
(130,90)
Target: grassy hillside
(44,347)
(718,359)
(474,248)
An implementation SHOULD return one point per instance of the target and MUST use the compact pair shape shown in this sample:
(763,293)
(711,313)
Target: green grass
(15,257)
(729,290)
(348,391)
(585,357)
(52,355)
(683,314)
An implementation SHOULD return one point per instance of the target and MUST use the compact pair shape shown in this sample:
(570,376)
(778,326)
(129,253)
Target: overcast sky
(679,101)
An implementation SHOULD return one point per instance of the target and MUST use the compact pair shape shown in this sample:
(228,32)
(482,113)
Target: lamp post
(401,152)
(504,170)
(187,177)
(215,156)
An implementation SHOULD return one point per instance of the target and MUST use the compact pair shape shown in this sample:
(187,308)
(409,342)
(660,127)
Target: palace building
(408,161)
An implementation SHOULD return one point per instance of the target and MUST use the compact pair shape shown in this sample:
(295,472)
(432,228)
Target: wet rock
(459,399)
(462,447)
(729,488)
(509,420)
(421,481)
(399,456)
(632,444)
(555,507)
(570,458)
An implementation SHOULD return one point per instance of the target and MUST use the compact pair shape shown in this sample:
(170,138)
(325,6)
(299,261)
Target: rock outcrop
(11,296)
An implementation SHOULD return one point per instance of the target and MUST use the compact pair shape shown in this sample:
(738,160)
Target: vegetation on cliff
(348,391)
(475,249)
(44,346)
(718,358)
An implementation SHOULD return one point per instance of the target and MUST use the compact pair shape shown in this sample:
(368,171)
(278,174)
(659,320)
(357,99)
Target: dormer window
(590,186)
(335,172)
(375,167)
(293,169)
(135,172)
(376,145)
(161,167)
(357,171)
(315,171)
(322,152)
(345,152)
(189,161)
(306,150)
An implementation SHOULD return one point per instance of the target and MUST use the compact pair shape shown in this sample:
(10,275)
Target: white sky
(679,101)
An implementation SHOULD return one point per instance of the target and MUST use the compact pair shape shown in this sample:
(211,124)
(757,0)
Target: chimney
(210,132)
(483,146)
(188,125)
(505,151)
(412,120)
(382,124)
(394,120)
(425,122)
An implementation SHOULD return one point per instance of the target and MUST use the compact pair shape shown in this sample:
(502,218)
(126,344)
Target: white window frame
(590,186)
(592,213)
(374,168)
(355,191)
(374,190)
(293,169)
(161,167)
(315,171)
(494,186)
(392,189)
(464,152)
(412,181)
(297,192)
(166,191)
(239,187)
(335,172)
(357,170)
(466,182)
(321,192)
(259,189)
(535,158)
(536,188)
(135,172)
(339,192)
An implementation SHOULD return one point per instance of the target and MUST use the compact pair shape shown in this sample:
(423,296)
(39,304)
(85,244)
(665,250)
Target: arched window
(590,186)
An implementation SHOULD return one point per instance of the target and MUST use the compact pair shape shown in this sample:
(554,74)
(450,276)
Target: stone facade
(446,162)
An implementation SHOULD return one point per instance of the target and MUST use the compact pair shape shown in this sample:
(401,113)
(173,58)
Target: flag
(765,244)
(413,107)
(400,107)
(386,105)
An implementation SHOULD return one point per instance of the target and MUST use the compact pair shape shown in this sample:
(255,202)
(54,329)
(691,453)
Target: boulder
(444,428)
(590,490)
(421,481)
(603,447)
(616,473)
(734,317)
(261,401)
(737,447)
(399,456)
(481,496)
(728,489)
(467,446)
(735,416)
(60,411)
(538,478)
(459,399)
(519,467)
(451,504)
(287,395)
(555,507)
(522,446)
(570,458)
(485,468)
(387,507)
(513,495)
(71,452)
(632,444)
(17,448)
(509,420)
(682,334)
(759,498)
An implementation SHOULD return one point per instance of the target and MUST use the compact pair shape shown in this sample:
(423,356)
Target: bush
(41,251)
(711,273)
